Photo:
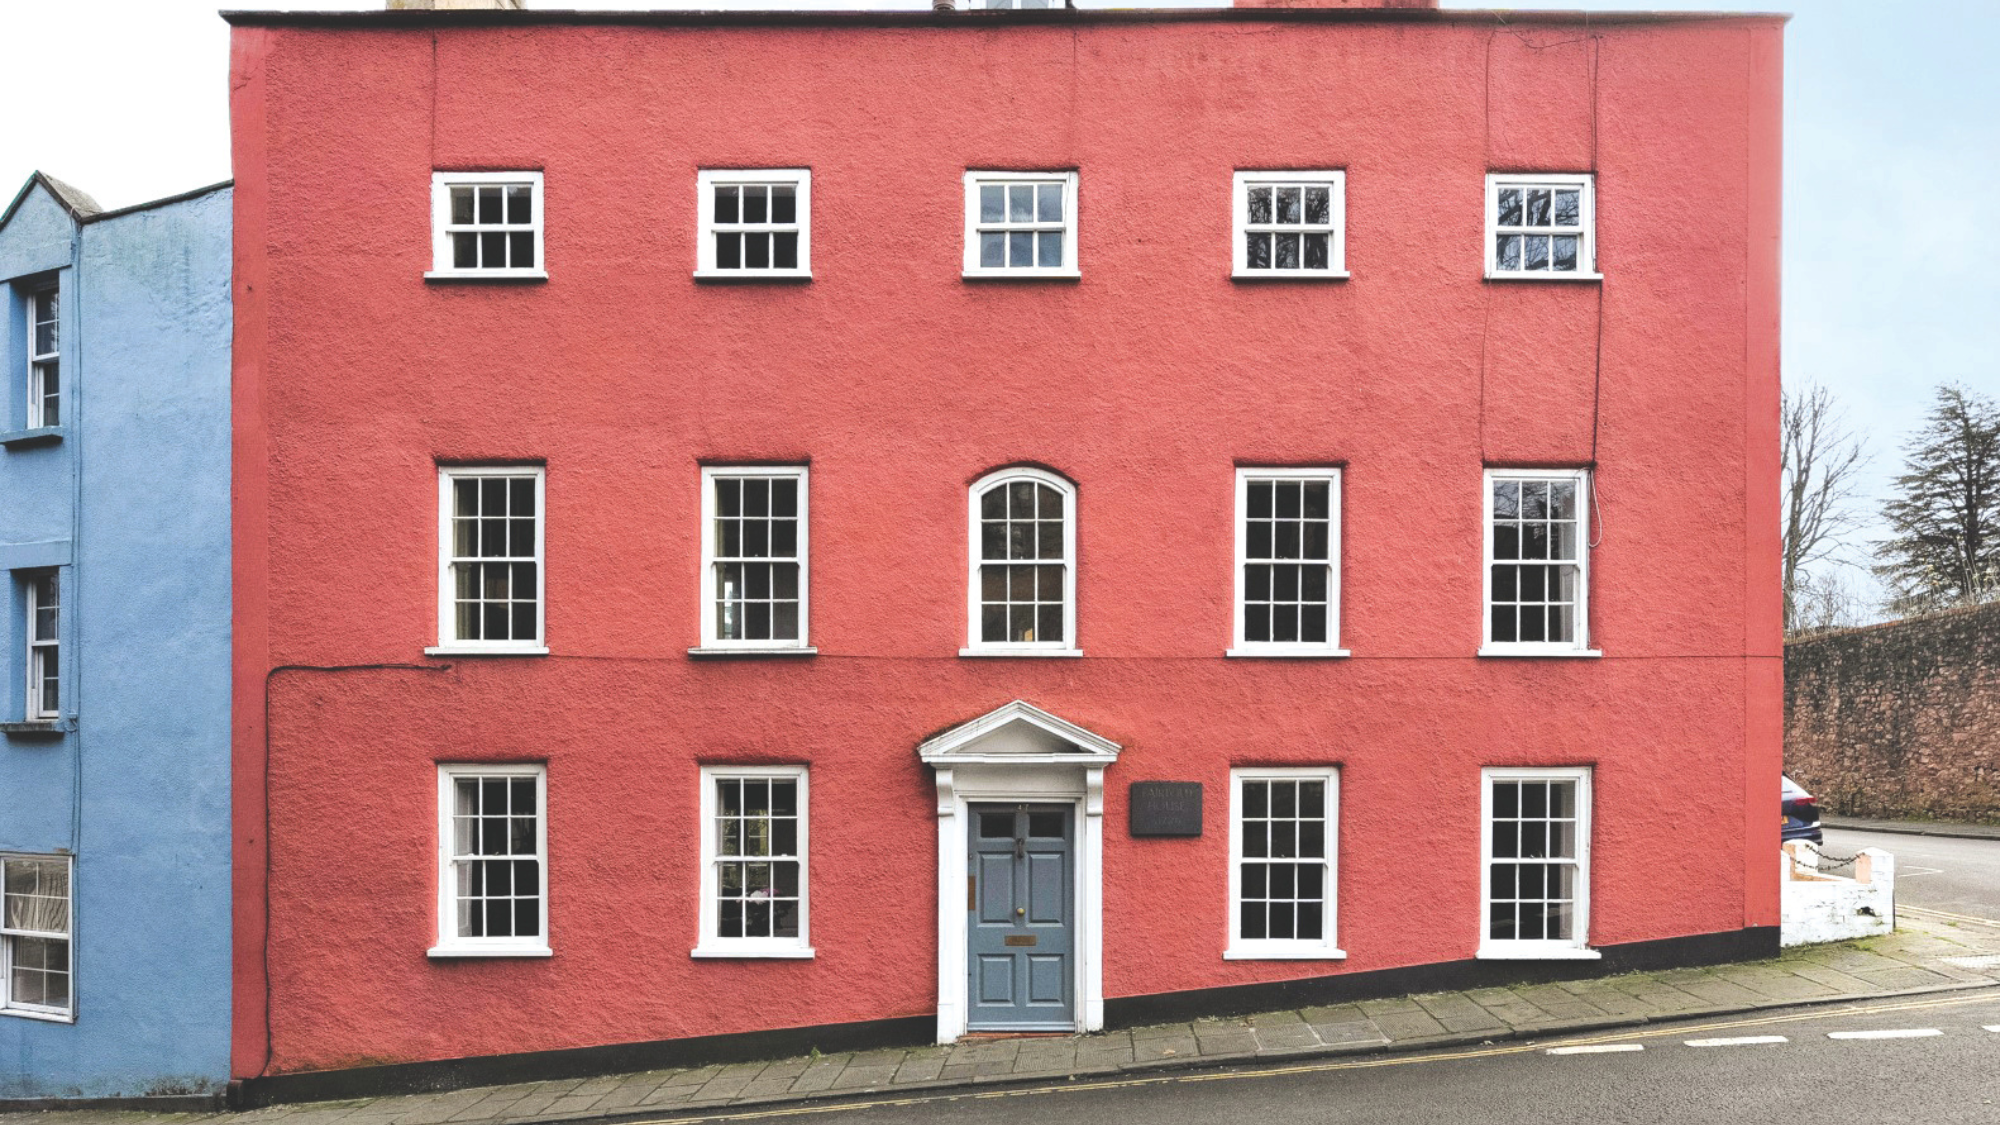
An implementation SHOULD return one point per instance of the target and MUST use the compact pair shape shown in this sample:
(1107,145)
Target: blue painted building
(114,650)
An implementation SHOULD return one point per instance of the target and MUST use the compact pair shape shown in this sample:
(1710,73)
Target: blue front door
(1020,936)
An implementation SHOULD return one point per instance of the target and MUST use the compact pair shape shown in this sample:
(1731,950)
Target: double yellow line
(1927,912)
(1979,996)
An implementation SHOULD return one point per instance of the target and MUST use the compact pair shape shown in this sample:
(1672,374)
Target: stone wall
(1899,720)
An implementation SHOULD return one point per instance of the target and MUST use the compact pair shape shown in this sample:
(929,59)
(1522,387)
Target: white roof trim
(962,744)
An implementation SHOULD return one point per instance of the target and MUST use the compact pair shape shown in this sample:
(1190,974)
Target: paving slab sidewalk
(1923,955)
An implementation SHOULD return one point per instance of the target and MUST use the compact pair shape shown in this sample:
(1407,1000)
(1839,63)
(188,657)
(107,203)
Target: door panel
(997,891)
(1047,889)
(1048,980)
(1021,940)
(996,980)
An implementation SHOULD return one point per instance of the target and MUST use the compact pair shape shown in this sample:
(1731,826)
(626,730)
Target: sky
(1892,166)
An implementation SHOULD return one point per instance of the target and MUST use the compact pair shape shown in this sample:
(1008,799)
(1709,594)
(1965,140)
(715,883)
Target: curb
(1914,828)
(1000,1083)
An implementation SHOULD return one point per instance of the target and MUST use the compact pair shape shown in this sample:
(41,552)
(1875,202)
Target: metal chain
(1828,861)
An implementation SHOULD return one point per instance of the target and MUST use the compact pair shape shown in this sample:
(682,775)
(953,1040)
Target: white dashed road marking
(1738,1041)
(1597,1049)
(1891,1033)
(1993,1027)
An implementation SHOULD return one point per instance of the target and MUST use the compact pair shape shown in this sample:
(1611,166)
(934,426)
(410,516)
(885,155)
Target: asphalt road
(1945,1070)
(1933,872)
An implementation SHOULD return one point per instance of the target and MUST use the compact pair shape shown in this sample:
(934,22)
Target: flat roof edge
(968,20)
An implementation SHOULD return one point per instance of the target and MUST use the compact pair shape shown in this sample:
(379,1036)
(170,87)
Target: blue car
(1801,813)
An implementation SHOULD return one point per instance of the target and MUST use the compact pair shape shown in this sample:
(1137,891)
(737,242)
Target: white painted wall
(1818,908)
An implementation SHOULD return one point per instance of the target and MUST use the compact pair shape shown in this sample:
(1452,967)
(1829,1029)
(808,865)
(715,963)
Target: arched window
(1023,564)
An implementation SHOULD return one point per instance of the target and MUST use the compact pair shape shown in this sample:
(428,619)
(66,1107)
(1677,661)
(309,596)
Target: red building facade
(730,507)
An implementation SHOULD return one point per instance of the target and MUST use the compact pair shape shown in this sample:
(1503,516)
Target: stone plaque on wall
(1166,808)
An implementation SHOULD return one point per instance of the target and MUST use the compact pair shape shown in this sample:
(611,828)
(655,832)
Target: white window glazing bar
(44,382)
(487,225)
(756,559)
(1284,864)
(37,954)
(44,698)
(755,857)
(1021,581)
(493,872)
(1535,578)
(733,244)
(1534,879)
(1020,224)
(1557,242)
(1266,243)
(1287,563)
(491,566)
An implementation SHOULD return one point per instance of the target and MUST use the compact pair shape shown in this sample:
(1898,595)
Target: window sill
(38,729)
(1023,275)
(728,276)
(486,275)
(455,650)
(452,953)
(30,438)
(1316,953)
(707,651)
(1537,953)
(45,1017)
(1289,275)
(1529,651)
(1495,275)
(1253,652)
(1031,653)
(728,953)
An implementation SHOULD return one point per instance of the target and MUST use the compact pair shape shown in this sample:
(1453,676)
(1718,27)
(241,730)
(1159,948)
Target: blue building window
(44,693)
(44,360)
(35,936)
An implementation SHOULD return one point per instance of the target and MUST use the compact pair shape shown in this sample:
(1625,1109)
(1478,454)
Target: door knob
(1020,910)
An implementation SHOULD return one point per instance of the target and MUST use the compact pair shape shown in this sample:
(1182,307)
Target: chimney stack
(1335,3)
(456,5)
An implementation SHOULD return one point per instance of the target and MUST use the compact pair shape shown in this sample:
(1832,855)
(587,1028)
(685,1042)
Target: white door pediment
(1018,733)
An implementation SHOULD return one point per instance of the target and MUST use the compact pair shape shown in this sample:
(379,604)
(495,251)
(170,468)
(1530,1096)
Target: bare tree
(1826,600)
(1821,462)
(1944,547)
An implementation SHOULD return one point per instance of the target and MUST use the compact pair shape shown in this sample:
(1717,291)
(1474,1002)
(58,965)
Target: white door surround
(1019,753)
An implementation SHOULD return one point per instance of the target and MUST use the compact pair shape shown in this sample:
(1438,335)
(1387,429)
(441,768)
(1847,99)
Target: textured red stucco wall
(1146,382)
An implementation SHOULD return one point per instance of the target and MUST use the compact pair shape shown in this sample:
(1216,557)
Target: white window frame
(710,641)
(1327,948)
(449,943)
(1576,949)
(39,362)
(707,944)
(1336,229)
(448,644)
(1069,646)
(974,180)
(8,1005)
(1586,231)
(442,228)
(1241,647)
(708,179)
(39,652)
(1581,645)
